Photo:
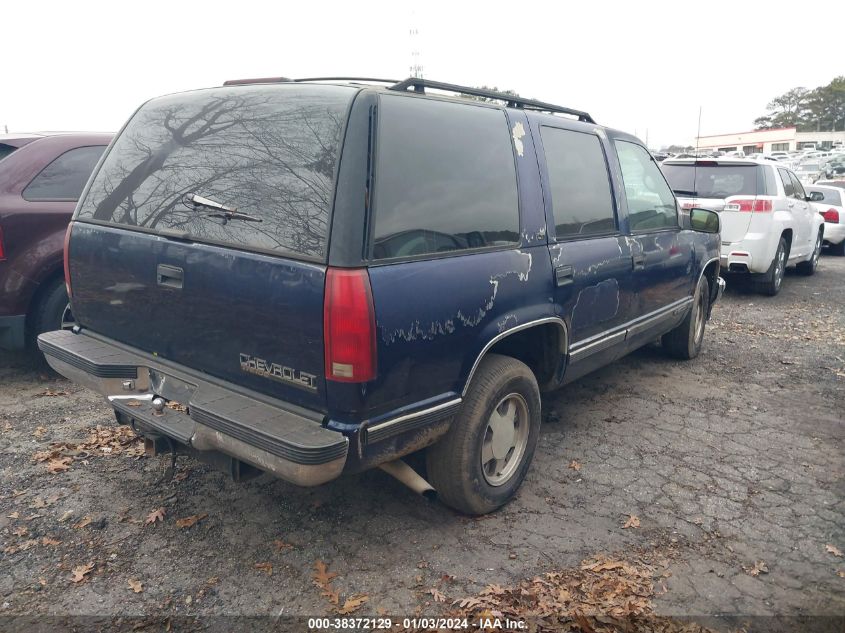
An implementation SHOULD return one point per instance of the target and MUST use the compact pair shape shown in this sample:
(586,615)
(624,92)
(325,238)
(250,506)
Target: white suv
(767,221)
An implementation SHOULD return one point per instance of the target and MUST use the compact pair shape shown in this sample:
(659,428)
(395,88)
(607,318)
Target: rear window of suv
(714,181)
(445,179)
(267,151)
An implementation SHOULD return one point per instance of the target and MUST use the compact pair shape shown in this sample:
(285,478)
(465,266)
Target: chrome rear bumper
(267,434)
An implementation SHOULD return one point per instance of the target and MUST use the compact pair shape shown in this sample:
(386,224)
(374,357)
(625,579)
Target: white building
(767,141)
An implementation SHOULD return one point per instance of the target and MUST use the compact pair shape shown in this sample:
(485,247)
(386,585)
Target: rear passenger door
(591,262)
(662,256)
(802,212)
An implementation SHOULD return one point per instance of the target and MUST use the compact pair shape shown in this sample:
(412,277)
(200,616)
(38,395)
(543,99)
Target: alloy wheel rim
(504,440)
(699,318)
(780,268)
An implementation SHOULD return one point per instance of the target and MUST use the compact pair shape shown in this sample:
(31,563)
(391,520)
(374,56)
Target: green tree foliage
(819,110)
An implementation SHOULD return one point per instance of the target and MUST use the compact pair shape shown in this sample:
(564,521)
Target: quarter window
(651,205)
(797,187)
(65,177)
(582,204)
(445,178)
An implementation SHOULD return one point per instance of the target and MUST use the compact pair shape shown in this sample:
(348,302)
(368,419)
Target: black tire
(837,249)
(809,267)
(49,310)
(772,279)
(454,463)
(685,341)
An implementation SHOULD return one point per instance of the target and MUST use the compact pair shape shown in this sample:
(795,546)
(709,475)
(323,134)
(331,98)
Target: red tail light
(67,264)
(349,326)
(831,215)
(2,249)
(751,206)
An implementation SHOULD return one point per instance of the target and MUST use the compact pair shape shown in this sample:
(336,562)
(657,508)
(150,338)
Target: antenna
(695,162)
(416,67)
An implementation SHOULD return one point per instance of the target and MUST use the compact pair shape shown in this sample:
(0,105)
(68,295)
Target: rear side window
(651,205)
(445,178)
(65,177)
(267,151)
(788,187)
(5,150)
(581,200)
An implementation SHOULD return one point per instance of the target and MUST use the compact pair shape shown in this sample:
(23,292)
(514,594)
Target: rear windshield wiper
(194,201)
(684,192)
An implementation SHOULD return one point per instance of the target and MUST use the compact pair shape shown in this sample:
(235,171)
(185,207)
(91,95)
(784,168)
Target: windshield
(268,152)
(809,167)
(712,181)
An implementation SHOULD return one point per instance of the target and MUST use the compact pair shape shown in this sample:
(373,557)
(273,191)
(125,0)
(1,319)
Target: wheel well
(787,235)
(542,348)
(711,271)
(38,295)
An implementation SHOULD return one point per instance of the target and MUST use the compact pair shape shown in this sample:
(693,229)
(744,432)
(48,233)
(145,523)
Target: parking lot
(732,465)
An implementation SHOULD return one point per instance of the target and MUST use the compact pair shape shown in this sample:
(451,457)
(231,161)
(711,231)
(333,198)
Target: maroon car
(41,178)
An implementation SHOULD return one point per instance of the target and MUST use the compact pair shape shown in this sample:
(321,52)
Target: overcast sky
(643,67)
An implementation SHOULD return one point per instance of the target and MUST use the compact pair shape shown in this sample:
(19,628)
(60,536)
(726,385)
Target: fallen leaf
(47,540)
(39,431)
(265,567)
(50,393)
(353,603)
(42,581)
(632,522)
(21,531)
(14,515)
(840,573)
(176,406)
(758,568)
(322,575)
(82,522)
(832,549)
(59,464)
(437,595)
(66,516)
(132,403)
(81,571)
(182,475)
(575,465)
(190,521)
(331,594)
(155,515)
(135,585)
(281,545)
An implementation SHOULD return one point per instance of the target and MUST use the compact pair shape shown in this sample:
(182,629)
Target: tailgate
(202,237)
(252,319)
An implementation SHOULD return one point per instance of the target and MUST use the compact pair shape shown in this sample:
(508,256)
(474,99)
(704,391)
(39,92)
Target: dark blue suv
(316,277)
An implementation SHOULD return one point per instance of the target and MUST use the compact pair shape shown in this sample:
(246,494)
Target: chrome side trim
(603,343)
(416,414)
(608,338)
(501,335)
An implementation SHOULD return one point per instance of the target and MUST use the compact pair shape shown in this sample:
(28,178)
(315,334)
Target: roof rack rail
(419,85)
(367,79)
(257,80)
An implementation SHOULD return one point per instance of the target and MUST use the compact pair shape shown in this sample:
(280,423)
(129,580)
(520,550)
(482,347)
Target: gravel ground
(732,463)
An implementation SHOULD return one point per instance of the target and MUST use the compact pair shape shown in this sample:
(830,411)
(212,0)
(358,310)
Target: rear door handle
(564,275)
(169,276)
(638,261)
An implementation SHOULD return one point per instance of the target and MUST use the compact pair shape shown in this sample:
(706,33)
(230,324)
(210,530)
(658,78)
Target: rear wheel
(809,267)
(685,341)
(482,460)
(52,312)
(773,279)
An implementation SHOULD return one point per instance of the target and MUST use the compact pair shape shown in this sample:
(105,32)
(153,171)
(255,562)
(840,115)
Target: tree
(787,110)
(821,109)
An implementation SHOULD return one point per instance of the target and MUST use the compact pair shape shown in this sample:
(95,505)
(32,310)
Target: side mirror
(815,196)
(704,220)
